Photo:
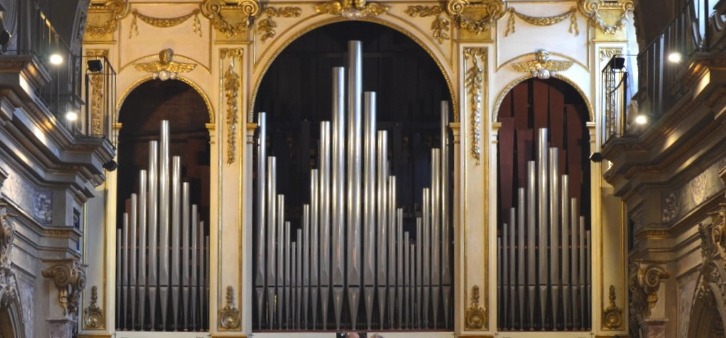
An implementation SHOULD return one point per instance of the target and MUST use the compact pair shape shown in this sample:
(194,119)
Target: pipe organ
(544,280)
(352,263)
(162,252)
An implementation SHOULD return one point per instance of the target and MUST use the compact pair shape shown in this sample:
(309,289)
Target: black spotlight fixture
(596,157)
(94,66)
(110,165)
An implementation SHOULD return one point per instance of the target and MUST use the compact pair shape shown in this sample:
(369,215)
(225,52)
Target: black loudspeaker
(95,65)
(617,62)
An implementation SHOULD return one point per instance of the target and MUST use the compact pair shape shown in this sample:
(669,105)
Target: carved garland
(229,315)
(592,9)
(214,10)
(440,26)
(266,26)
(474,82)
(543,21)
(93,315)
(70,281)
(164,22)
(232,83)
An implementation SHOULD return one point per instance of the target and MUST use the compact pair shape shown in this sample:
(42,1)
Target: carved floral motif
(230,20)
(231,82)
(93,314)
(440,26)
(229,316)
(592,9)
(352,8)
(475,80)
(266,26)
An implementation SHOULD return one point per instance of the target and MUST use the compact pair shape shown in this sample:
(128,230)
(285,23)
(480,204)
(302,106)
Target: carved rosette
(476,17)
(232,81)
(229,315)
(93,315)
(612,316)
(644,284)
(476,315)
(475,82)
(70,281)
(230,20)
(600,10)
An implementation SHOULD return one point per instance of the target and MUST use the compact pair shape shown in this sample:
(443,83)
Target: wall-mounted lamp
(55,59)
(596,157)
(110,165)
(71,116)
(675,57)
(641,119)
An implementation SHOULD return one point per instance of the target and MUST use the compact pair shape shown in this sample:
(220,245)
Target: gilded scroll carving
(70,279)
(230,20)
(476,315)
(476,17)
(608,53)
(440,26)
(644,284)
(543,21)
(229,315)
(164,22)
(232,83)
(352,8)
(612,316)
(266,26)
(594,9)
(542,67)
(475,81)
(93,314)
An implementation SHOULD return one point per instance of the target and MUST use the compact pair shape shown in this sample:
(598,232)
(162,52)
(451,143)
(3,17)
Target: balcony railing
(99,97)
(615,100)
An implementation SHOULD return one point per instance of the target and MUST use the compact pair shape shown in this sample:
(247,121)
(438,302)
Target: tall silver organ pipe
(351,253)
(544,252)
(163,258)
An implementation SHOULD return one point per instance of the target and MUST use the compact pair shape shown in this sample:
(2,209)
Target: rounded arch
(503,93)
(707,315)
(11,321)
(190,83)
(307,27)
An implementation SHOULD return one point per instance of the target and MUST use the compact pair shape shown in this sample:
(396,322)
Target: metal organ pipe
(162,244)
(544,248)
(351,241)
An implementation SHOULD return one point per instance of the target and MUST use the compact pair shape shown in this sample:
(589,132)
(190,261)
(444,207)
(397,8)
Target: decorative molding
(8,286)
(476,17)
(619,8)
(96,81)
(166,68)
(93,315)
(351,8)
(475,80)
(612,316)
(70,279)
(542,67)
(543,21)
(164,22)
(476,315)
(441,25)
(103,18)
(229,316)
(644,284)
(608,53)
(230,20)
(266,27)
(232,82)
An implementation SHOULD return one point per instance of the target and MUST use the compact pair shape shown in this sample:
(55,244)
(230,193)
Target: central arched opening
(351,255)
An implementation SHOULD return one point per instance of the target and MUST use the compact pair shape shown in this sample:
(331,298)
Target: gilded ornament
(542,67)
(644,284)
(266,27)
(592,9)
(608,53)
(93,315)
(164,22)
(229,316)
(70,281)
(96,81)
(166,68)
(230,20)
(543,21)
(476,17)
(476,315)
(474,81)
(613,315)
(103,18)
(232,82)
(351,8)
(440,26)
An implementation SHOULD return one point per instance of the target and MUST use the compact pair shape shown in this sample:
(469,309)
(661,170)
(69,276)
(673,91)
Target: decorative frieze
(164,22)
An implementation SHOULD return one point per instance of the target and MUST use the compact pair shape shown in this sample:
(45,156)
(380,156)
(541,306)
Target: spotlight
(110,165)
(94,65)
(596,157)
(675,57)
(71,115)
(641,119)
(55,59)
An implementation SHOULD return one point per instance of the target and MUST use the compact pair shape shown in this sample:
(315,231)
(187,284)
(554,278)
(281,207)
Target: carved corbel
(644,284)
(476,16)
(103,19)
(230,18)
(229,316)
(93,314)
(70,281)
(608,16)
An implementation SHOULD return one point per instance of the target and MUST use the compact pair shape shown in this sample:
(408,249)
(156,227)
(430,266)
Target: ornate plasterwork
(96,83)
(103,18)
(266,26)
(543,20)
(608,53)
(93,314)
(8,286)
(476,315)
(229,315)
(43,206)
(612,316)
(600,10)
(440,26)
(232,82)
(542,67)
(166,68)
(70,280)
(164,22)
(227,19)
(352,8)
(644,284)
(475,82)
(475,17)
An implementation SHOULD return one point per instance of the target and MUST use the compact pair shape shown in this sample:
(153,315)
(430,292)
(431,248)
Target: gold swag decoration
(164,22)
(543,21)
